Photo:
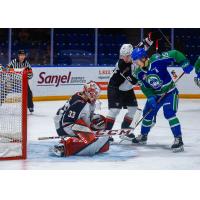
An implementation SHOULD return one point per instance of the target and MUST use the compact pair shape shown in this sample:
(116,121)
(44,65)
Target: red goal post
(13,115)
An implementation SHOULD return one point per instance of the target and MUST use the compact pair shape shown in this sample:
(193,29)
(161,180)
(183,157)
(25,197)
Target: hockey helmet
(126,50)
(138,53)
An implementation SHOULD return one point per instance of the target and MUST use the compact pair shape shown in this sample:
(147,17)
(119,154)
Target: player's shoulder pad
(162,59)
(76,99)
(155,57)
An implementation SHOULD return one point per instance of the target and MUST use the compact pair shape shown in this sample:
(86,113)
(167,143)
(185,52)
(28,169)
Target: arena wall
(59,83)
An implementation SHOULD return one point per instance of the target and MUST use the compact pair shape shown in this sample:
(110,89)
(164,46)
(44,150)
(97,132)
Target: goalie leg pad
(101,145)
(75,146)
(85,143)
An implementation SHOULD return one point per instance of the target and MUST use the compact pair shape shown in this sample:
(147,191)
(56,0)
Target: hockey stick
(97,133)
(165,37)
(159,100)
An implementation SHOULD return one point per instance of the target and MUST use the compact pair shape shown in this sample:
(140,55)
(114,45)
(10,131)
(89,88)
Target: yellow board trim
(139,96)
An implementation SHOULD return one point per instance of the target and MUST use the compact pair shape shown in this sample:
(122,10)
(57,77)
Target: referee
(22,63)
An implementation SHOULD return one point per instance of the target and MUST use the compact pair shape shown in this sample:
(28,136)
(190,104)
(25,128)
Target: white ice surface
(155,155)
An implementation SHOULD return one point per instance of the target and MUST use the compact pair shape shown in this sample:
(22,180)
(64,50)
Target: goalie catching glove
(98,122)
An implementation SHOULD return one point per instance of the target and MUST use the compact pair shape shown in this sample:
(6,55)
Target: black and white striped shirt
(15,64)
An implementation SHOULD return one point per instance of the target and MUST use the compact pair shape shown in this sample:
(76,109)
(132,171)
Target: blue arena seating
(80,48)
(71,47)
(77,46)
(189,42)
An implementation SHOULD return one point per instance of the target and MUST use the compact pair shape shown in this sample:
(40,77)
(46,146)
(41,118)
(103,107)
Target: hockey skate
(130,137)
(31,110)
(140,139)
(111,140)
(177,146)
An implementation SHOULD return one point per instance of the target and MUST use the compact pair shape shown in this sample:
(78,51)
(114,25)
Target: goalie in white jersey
(76,122)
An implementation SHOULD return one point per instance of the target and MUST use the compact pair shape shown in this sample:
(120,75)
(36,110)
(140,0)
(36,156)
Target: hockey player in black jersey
(120,89)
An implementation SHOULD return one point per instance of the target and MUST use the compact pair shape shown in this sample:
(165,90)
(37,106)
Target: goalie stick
(97,133)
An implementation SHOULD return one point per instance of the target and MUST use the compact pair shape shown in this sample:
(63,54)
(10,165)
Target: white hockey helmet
(126,50)
(92,91)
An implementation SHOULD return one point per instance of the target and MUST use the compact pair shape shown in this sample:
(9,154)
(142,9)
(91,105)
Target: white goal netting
(12,114)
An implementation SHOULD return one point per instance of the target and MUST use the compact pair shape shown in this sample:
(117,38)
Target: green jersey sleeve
(197,65)
(178,57)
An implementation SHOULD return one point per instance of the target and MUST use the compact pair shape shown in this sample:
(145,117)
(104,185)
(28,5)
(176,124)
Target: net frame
(23,139)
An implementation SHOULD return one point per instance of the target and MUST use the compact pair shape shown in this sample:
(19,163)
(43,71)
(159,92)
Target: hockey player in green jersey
(197,70)
(155,80)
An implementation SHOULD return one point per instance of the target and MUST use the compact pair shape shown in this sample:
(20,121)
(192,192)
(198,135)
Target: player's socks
(109,123)
(177,146)
(126,122)
(175,126)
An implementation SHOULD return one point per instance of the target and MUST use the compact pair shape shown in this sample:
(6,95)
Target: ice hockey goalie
(76,122)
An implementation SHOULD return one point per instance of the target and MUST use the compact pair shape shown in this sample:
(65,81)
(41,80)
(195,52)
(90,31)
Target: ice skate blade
(125,142)
(139,143)
(125,138)
(142,143)
(176,150)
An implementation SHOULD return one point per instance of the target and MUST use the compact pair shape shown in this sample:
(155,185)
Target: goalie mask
(92,91)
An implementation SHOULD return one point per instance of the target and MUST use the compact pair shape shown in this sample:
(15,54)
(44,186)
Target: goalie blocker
(74,123)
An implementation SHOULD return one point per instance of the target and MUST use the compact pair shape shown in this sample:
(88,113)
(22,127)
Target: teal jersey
(155,78)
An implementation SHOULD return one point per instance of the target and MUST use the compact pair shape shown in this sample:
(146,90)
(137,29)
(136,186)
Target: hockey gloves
(187,69)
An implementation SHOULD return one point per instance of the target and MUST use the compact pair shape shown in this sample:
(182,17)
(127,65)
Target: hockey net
(13,115)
